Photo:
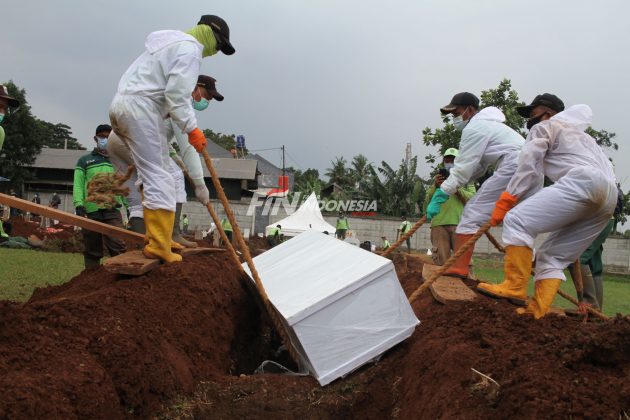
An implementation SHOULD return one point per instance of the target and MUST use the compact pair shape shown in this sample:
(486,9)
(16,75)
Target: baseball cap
(220,28)
(4,93)
(461,99)
(546,99)
(103,127)
(451,152)
(210,84)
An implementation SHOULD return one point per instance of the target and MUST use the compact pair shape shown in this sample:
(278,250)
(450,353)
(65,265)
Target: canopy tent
(307,216)
(343,306)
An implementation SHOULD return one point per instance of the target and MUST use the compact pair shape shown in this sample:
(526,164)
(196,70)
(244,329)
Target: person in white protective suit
(156,86)
(574,209)
(485,142)
(120,156)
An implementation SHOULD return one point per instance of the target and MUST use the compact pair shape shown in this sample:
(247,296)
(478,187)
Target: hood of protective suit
(490,113)
(578,116)
(160,39)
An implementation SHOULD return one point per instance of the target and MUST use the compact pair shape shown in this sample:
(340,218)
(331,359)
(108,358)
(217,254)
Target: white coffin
(343,305)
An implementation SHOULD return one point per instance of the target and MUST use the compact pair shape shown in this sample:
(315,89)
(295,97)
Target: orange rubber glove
(197,140)
(504,204)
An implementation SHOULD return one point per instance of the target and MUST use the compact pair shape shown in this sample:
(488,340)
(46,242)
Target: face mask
(101,143)
(533,121)
(449,166)
(459,123)
(201,104)
(1,117)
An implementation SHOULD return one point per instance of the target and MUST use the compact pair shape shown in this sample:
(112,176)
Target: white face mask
(449,166)
(459,122)
(101,143)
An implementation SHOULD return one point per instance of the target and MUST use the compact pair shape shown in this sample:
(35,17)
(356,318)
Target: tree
(24,139)
(306,182)
(359,171)
(227,141)
(339,174)
(59,136)
(395,191)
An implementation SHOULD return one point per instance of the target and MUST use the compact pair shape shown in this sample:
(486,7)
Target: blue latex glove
(439,198)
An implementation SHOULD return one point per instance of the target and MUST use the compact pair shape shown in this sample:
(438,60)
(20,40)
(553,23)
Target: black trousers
(94,241)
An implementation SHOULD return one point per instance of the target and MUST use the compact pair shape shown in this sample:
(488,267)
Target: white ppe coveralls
(576,208)
(190,159)
(120,156)
(485,141)
(157,85)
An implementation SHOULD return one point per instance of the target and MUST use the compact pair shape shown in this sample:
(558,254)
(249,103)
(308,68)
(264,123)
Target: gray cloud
(330,78)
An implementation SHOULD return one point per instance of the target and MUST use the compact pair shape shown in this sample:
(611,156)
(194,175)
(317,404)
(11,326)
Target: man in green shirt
(227,227)
(386,243)
(186,223)
(443,225)
(342,226)
(94,163)
(405,226)
(274,235)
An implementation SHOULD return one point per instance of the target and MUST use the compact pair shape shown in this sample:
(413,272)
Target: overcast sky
(330,78)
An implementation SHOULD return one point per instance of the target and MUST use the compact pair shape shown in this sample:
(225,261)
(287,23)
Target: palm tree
(359,173)
(338,173)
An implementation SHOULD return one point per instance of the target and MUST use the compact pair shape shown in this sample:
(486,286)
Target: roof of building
(233,168)
(58,158)
(264,166)
(217,151)
(227,167)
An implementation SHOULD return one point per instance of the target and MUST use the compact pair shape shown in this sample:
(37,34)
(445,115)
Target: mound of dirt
(183,341)
(58,238)
(99,347)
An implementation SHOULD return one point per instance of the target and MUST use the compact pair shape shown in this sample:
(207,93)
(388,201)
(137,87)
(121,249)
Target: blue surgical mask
(201,104)
(101,143)
(1,117)
(459,122)
(449,166)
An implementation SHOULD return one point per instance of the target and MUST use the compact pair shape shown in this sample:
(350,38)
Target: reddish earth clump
(184,340)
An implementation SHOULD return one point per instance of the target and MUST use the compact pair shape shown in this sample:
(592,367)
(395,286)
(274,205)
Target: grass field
(23,270)
(616,288)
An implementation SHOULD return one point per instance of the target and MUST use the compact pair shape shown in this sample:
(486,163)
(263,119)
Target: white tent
(343,306)
(307,216)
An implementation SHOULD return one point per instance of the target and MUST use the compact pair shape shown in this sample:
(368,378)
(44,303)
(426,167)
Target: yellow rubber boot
(461,266)
(545,292)
(517,269)
(159,224)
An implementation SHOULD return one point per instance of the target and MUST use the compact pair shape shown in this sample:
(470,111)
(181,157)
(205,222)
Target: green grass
(616,288)
(23,270)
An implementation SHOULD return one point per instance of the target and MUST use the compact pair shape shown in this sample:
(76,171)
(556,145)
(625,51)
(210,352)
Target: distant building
(331,189)
(268,175)
(53,171)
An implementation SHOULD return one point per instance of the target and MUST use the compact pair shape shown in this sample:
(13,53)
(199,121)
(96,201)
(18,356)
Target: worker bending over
(186,159)
(158,85)
(575,209)
(485,142)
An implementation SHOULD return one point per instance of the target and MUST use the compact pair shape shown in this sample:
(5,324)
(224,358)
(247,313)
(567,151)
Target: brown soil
(182,340)
(61,238)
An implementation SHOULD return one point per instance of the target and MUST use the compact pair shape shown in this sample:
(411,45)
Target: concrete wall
(616,250)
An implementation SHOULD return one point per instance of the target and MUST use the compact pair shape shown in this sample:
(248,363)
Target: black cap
(209,83)
(103,127)
(461,99)
(546,99)
(221,31)
(4,93)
